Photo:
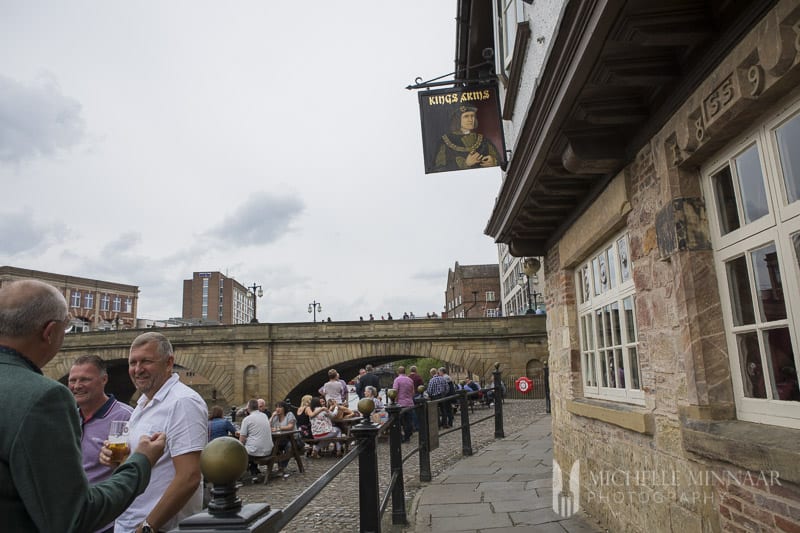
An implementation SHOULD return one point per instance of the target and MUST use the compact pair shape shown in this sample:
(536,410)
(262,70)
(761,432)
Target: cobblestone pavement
(336,507)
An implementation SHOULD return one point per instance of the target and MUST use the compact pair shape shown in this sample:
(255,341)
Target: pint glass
(118,441)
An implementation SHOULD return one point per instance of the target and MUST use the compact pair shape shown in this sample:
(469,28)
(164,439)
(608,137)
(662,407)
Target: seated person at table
(321,425)
(256,436)
(219,426)
(339,412)
(372,393)
(303,421)
(283,420)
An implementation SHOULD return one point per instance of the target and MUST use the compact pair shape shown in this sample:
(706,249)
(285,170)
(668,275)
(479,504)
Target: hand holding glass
(118,441)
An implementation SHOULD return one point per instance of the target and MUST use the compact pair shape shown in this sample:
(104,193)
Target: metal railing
(224,515)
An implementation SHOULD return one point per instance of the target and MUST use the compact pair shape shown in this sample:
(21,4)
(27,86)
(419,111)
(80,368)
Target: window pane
(627,303)
(612,265)
(768,283)
(608,330)
(602,262)
(788,137)
(598,319)
(752,368)
(616,334)
(603,369)
(751,183)
(633,370)
(780,359)
(741,300)
(624,261)
(586,283)
(796,245)
(588,365)
(620,368)
(596,271)
(726,201)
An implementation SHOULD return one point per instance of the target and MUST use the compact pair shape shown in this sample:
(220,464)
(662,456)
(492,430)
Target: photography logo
(566,502)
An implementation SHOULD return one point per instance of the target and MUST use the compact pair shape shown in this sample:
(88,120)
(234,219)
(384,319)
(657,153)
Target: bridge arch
(269,360)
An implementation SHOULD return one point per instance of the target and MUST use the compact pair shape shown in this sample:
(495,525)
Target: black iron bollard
(498,402)
(233,414)
(424,436)
(546,388)
(369,500)
(466,437)
(396,462)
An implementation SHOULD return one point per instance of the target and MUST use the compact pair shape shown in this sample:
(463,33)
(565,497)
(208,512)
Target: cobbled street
(336,507)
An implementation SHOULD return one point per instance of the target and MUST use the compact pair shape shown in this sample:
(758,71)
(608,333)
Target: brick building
(93,304)
(213,298)
(472,291)
(655,168)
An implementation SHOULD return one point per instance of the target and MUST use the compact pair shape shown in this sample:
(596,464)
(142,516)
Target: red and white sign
(524,385)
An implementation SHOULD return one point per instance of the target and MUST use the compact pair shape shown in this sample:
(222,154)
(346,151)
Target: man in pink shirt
(405,398)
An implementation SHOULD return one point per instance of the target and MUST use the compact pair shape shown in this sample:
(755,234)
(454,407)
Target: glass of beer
(118,441)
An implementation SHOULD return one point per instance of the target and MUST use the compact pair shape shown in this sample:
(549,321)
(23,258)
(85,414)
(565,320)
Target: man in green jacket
(42,483)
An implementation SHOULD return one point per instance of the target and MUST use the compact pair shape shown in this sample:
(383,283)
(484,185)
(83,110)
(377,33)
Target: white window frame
(105,302)
(490,296)
(115,304)
(777,227)
(128,305)
(89,300)
(509,13)
(594,307)
(75,298)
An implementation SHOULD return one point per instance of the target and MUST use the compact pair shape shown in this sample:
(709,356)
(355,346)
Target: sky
(274,142)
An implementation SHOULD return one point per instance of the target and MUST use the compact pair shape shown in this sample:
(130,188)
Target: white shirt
(256,428)
(182,415)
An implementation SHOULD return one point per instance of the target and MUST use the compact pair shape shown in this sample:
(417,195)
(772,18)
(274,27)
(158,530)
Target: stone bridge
(230,364)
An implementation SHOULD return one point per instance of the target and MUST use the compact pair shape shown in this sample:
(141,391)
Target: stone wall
(682,462)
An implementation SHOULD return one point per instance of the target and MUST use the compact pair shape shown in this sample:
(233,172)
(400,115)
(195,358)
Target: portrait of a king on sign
(461,129)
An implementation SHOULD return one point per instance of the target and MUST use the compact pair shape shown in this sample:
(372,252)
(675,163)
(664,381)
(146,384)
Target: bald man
(42,483)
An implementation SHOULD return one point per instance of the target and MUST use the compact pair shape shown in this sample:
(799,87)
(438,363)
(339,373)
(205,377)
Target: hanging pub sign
(461,129)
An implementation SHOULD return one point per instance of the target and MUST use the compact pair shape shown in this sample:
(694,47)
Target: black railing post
(498,402)
(424,435)
(466,437)
(369,500)
(546,388)
(396,462)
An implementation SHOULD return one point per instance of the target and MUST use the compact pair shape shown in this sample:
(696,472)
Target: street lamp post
(530,266)
(260,293)
(315,307)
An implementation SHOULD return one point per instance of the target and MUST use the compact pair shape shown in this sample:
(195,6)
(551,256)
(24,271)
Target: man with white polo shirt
(166,405)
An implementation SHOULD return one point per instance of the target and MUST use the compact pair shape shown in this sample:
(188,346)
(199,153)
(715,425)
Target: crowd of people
(156,481)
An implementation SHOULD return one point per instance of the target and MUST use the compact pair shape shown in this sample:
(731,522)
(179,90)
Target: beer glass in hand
(118,441)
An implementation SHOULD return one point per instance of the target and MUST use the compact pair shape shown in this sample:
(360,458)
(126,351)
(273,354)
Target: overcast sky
(272,141)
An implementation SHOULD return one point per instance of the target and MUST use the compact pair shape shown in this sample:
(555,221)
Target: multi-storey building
(93,304)
(654,166)
(213,298)
(521,293)
(472,291)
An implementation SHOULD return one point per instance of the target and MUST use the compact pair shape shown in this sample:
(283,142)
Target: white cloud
(36,119)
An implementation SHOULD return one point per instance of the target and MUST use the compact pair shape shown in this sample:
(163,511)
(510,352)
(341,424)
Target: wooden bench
(324,442)
(294,451)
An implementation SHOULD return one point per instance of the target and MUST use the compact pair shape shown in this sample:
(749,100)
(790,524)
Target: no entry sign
(524,385)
